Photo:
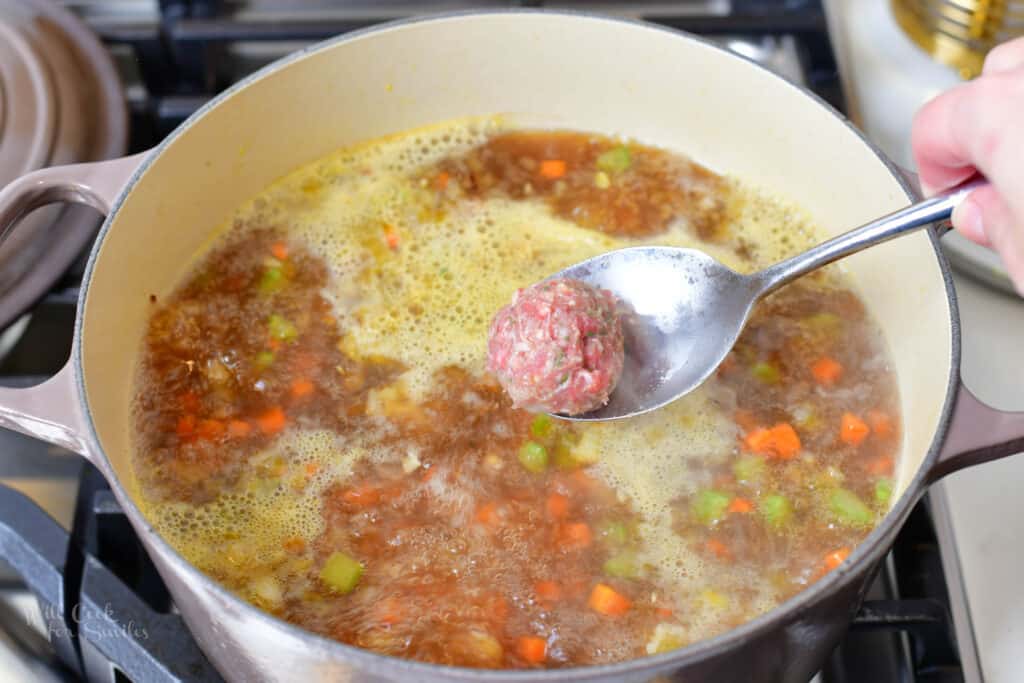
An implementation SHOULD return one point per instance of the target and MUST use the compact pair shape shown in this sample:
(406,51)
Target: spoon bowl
(682,311)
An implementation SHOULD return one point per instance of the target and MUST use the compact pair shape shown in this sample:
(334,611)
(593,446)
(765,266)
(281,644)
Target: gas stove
(80,599)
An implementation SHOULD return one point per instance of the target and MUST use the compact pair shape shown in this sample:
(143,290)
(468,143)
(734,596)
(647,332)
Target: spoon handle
(902,222)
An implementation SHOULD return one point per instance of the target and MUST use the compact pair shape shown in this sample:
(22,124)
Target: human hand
(978,127)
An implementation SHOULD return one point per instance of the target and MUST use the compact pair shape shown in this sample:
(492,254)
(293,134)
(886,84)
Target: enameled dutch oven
(550,69)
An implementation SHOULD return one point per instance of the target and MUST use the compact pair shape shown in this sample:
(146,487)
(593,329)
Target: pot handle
(977,433)
(50,411)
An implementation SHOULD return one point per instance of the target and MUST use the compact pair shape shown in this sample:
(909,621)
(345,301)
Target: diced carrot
(302,387)
(853,430)
(391,236)
(745,419)
(279,250)
(557,506)
(189,401)
(576,535)
(664,612)
(209,429)
(428,474)
(740,505)
(441,181)
(294,545)
(548,591)
(835,558)
(881,466)
(311,469)
(274,344)
(531,649)
(780,441)
(364,494)
(272,421)
(605,600)
(827,371)
(186,426)
(718,548)
(487,514)
(881,423)
(239,428)
(552,168)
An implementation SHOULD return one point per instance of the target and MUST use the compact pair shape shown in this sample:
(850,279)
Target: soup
(315,428)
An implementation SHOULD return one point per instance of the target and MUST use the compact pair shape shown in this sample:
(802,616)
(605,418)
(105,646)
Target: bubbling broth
(315,429)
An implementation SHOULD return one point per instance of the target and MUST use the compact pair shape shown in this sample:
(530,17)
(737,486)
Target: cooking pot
(541,69)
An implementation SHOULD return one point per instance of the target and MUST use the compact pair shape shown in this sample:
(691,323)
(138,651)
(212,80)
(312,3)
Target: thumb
(985,218)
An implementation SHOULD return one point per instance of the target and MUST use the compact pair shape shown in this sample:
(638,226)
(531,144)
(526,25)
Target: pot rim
(866,551)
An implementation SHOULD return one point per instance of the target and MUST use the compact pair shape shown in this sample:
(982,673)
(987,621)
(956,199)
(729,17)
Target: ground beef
(557,347)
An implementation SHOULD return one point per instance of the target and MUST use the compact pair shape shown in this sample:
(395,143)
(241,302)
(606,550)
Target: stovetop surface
(174,56)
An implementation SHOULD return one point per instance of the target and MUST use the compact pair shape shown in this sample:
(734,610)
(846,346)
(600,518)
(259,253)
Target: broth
(314,427)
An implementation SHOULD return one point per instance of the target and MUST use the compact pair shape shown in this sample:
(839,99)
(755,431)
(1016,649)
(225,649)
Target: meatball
(557,347)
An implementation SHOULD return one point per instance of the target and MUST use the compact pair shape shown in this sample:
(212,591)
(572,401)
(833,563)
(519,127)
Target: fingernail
(967,219)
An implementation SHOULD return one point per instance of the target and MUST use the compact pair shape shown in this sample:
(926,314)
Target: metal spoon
(683,310)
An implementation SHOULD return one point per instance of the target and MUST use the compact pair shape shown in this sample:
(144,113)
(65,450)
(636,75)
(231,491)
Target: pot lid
(61,102)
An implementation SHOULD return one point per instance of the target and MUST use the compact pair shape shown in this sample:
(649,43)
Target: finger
(1005,57)
(1001,227)
(969,217)
(975,125)
(942,161)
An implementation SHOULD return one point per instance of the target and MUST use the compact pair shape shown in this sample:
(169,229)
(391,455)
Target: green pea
(766,372)
(710,505)
(533,457)
(273,280)
(776,509)
(541,426)
(264,359)
(615,160)
(281,328)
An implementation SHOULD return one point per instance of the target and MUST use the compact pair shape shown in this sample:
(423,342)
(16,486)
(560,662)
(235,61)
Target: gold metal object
(960,32)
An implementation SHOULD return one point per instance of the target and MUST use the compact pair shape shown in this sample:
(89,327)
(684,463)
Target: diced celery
(849,509)
(615,532)
(533,457)
(615,160)
(714,599)
(776,509)
(666,637)
(883,491)
(622,565)
(341,573)
(710,505)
